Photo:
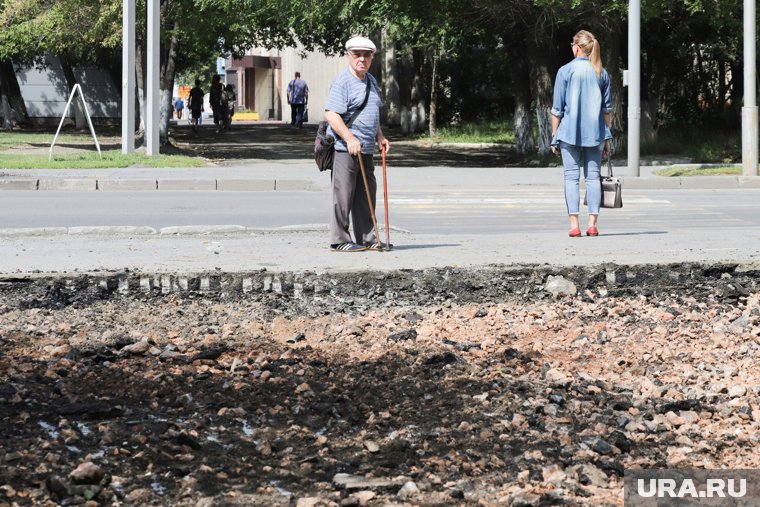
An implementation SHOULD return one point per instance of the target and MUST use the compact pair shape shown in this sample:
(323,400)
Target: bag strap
(609,166)
(358,111)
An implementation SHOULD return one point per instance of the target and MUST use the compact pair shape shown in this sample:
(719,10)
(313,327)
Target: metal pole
(634,86)
(128,78)
(152,86)
(749,110)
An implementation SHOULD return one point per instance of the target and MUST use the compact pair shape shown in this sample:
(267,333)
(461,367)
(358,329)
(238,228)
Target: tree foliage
(483,57)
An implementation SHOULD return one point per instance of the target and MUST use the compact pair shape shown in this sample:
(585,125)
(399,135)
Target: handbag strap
(366,99)
(609,167)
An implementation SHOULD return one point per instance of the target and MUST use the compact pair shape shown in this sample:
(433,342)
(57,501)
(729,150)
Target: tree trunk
(433,129)
(418,94)
(406,84)
(648,125)
(5,106)
(541,81)
(525,142)
(12,102)
(392,106)
(76,103)
(651,83)
(737,89)
(612,62)
(167,86)
(140,82)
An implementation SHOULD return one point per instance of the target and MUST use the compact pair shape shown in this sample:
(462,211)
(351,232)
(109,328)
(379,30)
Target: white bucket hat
(360,43)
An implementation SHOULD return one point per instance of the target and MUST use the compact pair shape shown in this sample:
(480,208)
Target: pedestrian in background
(581,119)
(298,97)
(195,104)
(215,101)
(352,89)
(229,98)
(179,105)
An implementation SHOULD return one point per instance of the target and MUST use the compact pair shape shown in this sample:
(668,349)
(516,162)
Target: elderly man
(353,113)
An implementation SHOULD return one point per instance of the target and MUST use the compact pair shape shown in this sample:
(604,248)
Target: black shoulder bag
(324,144)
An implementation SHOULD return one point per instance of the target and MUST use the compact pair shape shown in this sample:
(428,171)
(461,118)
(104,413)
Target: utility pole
(128,78)
(634,86)
(152,86)
(749,109)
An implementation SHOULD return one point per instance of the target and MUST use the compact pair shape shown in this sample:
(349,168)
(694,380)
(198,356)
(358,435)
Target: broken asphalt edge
(404,286)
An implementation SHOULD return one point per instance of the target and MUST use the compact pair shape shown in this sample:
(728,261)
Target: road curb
(161,184)
(127,185)
(68,184)
(291,185)
(19,184)
(135,230)
(391,286)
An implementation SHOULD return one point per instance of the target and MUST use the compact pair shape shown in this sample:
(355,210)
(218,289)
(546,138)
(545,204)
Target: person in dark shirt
(195,103)
(215,100)
(298,97)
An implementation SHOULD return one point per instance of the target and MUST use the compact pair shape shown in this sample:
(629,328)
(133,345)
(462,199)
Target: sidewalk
(293,175)
(269,156)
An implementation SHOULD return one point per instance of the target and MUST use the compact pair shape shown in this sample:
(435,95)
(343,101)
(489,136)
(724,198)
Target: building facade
(262,76)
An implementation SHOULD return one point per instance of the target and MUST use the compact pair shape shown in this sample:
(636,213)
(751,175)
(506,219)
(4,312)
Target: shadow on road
(268,141)
(641,233)
(420,247)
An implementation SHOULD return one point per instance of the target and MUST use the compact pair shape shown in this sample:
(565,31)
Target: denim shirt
(581,99)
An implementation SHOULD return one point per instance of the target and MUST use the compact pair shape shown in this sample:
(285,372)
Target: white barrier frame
(63,117)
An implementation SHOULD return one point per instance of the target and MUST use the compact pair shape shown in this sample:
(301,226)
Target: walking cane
(369,197)
(385,201)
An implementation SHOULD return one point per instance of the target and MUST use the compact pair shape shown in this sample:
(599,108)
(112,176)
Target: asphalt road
(438,228)
(444,212)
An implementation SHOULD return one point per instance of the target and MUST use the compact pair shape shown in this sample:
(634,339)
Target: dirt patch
(523,386)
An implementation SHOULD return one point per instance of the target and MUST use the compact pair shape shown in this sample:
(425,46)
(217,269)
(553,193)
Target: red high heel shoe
(592,231)
(575,233)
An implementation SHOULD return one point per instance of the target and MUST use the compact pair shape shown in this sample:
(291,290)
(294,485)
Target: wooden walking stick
(385,201)
(369,197)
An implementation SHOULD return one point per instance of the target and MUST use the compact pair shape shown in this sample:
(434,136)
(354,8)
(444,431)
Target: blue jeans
(592,161)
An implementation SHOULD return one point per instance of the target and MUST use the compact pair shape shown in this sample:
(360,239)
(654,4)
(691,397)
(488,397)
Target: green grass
(112,158)
(90,160)
(11,139)
(700,171)
(487,132)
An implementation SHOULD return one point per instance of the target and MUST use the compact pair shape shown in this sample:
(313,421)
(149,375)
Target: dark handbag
(612,190)
(324,148)
(324,144)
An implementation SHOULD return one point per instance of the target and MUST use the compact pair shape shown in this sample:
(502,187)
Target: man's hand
(555,150)
(385,145)
(606,150)
(354,147)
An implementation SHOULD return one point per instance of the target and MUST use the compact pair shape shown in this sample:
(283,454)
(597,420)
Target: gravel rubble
(520,386)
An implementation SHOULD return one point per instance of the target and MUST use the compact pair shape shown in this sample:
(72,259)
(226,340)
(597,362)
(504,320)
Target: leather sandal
(592,231)
(575,233)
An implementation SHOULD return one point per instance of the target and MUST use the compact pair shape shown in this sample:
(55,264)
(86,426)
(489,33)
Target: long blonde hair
(590,47)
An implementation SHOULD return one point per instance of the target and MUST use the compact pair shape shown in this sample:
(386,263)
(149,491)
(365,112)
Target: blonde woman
(581,126)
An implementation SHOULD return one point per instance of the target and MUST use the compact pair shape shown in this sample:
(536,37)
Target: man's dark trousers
(299,114)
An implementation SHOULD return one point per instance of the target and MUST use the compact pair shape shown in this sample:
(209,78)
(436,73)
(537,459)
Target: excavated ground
(504,386)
